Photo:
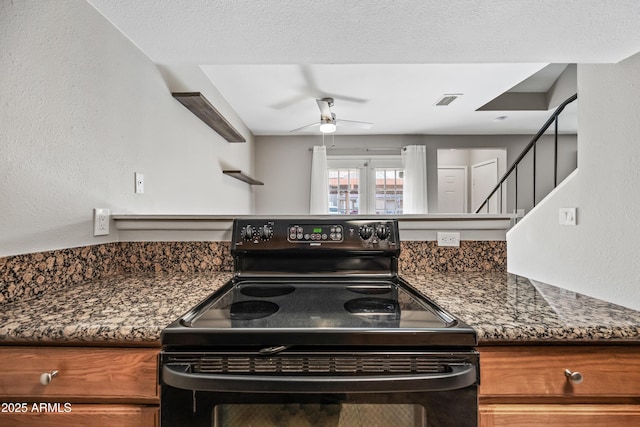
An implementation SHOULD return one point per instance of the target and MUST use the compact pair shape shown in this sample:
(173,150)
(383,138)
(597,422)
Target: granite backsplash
(28,275)
(471,256)
(25,276)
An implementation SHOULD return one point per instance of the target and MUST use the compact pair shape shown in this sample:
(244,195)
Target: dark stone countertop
(120,310)
(133,310)
(505,308)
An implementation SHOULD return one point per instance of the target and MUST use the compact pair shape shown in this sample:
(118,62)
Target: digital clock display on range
(315,233)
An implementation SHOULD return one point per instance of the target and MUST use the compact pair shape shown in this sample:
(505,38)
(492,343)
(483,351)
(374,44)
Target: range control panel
(320,232)
(309,234)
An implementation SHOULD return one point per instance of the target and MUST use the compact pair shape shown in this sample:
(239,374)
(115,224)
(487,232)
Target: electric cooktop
(317,305)
(317,282)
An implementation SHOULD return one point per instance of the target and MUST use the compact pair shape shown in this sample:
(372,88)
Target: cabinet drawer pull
(574,377)
(47,377)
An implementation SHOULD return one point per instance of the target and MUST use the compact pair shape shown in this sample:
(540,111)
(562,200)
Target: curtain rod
(363,149)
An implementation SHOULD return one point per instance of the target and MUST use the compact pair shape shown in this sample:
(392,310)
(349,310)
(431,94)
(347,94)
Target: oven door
(332,390)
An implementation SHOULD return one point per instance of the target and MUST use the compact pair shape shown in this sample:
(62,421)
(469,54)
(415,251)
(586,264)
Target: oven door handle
(177,376)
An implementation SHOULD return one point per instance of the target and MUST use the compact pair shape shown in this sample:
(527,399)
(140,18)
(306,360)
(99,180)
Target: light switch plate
(567,216)
(139,182)
(100,222)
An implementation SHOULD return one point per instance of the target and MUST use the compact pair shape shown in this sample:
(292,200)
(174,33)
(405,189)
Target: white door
(484,177)
(452,189)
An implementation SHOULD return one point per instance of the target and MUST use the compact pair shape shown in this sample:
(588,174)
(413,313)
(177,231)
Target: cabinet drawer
(559,415)
(83,374)
(81,415)
(540,371)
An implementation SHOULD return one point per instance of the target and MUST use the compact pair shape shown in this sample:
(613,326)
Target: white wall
(564,87)
(599,256)
(284,163)
(512,143)
(81,110)
(453,157)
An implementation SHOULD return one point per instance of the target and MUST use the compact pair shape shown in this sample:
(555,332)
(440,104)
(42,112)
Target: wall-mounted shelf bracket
(202,108)
(242,177)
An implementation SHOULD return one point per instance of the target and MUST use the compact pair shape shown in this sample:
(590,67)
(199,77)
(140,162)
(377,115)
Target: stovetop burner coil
(372,306)
(267,291)
(252,310)
(369,290)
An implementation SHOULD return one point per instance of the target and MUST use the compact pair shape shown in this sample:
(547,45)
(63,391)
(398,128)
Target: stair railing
(530,146)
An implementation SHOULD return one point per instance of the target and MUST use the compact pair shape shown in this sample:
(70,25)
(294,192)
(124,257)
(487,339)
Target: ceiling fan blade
(306,128)
(309,78)
(309,89)
(281,105)
(350,99)
(325,110)
(353,124)
(312,87)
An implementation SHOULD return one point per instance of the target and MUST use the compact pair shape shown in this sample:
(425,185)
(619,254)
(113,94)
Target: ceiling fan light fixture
(328,122)
(327,126)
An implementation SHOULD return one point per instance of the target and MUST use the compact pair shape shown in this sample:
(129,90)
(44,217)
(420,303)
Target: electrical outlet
(567,216)
(449,239)
(139,182)
(100,222)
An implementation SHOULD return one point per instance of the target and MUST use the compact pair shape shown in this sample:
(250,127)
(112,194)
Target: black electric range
(316,314)
(317,282)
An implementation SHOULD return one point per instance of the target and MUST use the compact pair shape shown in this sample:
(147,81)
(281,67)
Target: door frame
(475,204)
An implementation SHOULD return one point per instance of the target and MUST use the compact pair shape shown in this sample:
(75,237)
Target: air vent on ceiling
(447,99)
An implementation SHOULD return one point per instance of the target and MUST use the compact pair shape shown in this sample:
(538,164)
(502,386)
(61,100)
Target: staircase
(545,161)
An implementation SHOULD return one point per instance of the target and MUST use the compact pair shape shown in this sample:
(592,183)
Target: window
(388,191)
(365,185)
(344,190)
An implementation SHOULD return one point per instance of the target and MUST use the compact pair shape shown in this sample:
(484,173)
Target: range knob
(248,232)
(366,231)
(266,232)
(382,231)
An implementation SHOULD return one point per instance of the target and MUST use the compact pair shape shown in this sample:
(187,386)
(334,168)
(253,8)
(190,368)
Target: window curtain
(414,161)
(319,194)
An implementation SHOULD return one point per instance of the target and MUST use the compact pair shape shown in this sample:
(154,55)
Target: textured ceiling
(378,32)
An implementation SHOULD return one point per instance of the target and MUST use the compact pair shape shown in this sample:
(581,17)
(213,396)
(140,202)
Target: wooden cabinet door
(539,371)
(83,415)
(559,415)
(111,375)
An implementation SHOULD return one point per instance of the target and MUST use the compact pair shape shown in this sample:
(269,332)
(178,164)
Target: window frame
(367,166)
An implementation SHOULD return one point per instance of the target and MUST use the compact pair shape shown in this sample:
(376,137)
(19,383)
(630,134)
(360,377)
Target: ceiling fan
(311,88)
(328,122)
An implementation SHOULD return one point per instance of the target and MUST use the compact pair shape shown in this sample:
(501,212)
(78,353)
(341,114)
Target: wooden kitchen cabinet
(524,415)
(87,415)
(527,386)
(92,387)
